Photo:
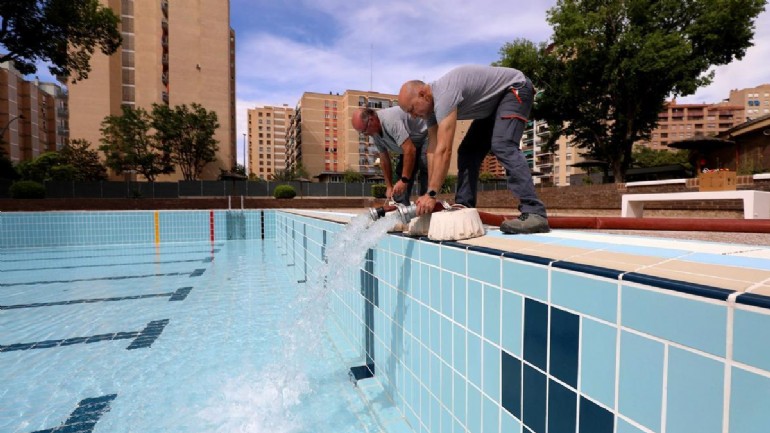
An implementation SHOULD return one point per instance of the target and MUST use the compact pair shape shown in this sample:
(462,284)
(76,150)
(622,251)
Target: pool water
(174,338)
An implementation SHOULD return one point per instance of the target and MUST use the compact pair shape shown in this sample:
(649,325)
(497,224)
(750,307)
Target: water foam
(268,400)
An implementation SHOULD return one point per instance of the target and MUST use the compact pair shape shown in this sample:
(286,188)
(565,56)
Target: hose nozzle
(405,212)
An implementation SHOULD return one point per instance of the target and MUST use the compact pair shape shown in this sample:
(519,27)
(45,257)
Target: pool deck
(735,262)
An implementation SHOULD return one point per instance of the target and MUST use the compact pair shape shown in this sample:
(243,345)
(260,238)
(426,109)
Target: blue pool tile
(565,341)
(510,383)
(595,297)
(435,415)
(459,299)
(594,418)
(453,259)
(509,424)
(597,361)
(429,253)
(492,313)
(424,289)
(751,344)
(526,279)
(435,287)
(562,408)
(491,416)
(446,340)
(536,333)
(695,393)
(641,379)
(435,373)
(446,421)
(534,399)
(704,329)
(512,316)
(475,306)
(474,359)
(474,410)
(459,349)
(459,398)
(624,427)
(484,267)
(446,293)
(749,394)
(446,385)
(491,372)
(435,332)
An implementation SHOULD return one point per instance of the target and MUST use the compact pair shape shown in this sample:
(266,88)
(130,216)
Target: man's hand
(425,204)
(389,192)
(399,189)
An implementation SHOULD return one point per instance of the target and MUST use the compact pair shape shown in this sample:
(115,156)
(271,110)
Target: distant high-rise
(680,121)
(754,100)
(173,52)
(268,129)
(33,116)
(322,139)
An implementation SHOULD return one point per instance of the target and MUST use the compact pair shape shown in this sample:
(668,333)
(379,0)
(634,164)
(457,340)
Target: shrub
(378,190)
(284,191)
(27,189)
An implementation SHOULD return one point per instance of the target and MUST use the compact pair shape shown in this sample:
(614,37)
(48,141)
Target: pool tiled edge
(468,337)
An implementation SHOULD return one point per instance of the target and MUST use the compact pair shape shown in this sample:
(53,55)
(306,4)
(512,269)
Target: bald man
(395,132)
(499,101)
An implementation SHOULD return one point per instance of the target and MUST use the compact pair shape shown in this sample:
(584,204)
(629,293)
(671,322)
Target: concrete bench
(756,204)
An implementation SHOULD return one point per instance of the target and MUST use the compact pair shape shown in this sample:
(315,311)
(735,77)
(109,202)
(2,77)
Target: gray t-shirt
(397,126)
(474,90)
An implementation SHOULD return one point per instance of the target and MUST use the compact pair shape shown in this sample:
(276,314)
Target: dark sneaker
(525,224)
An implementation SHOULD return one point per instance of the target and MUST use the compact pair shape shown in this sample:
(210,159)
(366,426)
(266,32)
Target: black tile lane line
(143,339)
(178,295)
(85,416)
(124,254)
(167,262)
(195,273)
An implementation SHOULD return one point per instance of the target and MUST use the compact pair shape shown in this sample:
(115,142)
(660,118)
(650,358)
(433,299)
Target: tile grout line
(618,331)
(728,367)
(664,398)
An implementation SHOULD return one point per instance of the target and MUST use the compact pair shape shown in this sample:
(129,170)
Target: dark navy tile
(565,340)
(536,333)
(679,286)
(594,418)
(148,335)
(180,294)
(534,399)
(562,408)
(511,383)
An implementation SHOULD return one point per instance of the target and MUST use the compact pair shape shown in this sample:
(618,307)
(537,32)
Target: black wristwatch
(405,179)
(432,194)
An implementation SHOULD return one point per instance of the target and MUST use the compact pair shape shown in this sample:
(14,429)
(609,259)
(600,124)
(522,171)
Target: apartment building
(268,129)
(33,116)
(174,52)
(550,166)
(755,101)
(321,138)
(680,121)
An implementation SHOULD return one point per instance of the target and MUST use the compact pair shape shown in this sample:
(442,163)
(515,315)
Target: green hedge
(27,189)
(378,190)
(284,191)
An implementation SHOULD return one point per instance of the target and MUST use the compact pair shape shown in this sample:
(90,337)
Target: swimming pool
(158,338)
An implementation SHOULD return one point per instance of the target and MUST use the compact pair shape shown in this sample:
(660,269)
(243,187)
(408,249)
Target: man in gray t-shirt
(396,132)
(499,101)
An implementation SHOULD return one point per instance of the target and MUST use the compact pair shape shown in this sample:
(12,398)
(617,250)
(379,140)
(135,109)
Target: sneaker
(525,224)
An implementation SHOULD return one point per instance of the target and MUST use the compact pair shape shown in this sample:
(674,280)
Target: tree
(352,176)
(7,170)
(188,134)
(88,167)
(43,168)
(613,63)
(64,33)
(643,156)
(128,145)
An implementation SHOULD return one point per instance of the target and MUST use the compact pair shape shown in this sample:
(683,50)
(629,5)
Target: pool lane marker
(178,295)
(142,339)
(157,228)
(195,273)
(85,416)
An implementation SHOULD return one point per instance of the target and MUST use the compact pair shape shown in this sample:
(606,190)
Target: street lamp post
(8,125)
(245,170)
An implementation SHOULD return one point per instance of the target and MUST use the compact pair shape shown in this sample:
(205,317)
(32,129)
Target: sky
(287,47)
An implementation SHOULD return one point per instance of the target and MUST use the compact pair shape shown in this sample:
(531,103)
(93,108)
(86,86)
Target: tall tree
(128,145)
(613,63)
(88,166)
(188,134)
(64,33)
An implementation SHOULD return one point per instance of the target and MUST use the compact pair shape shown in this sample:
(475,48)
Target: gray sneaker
(525,224)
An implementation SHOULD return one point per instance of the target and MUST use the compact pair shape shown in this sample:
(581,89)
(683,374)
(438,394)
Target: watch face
(431,193)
